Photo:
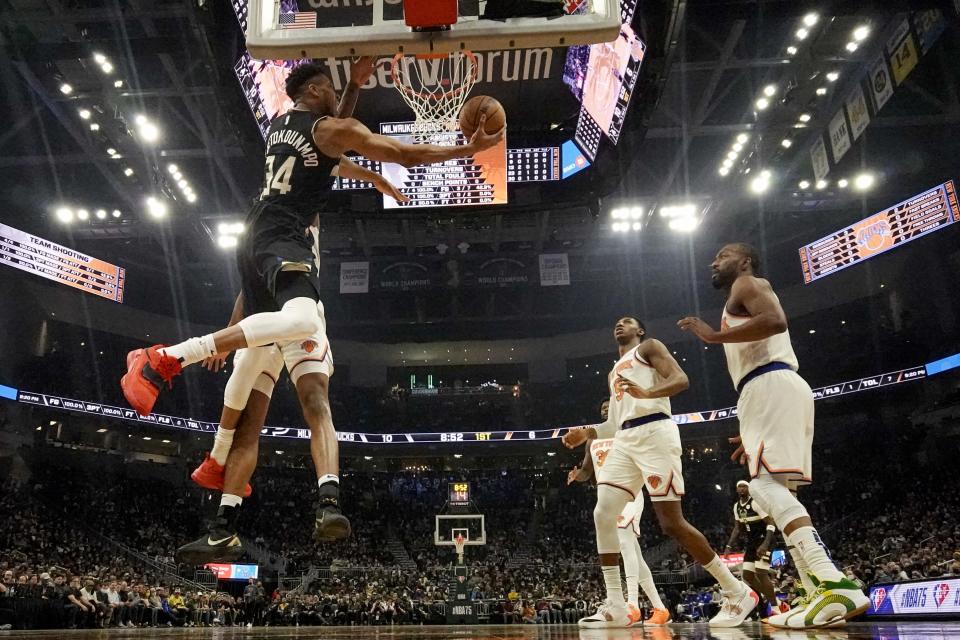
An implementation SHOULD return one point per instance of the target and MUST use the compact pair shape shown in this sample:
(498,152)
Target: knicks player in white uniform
(637,572)
(646,452)
(776,430)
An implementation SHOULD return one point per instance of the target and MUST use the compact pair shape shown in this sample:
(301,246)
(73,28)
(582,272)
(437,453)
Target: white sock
(328,477)
(814,553)
(221,445)
(228,500)
(721,574)
(802,569)
(192,351)
(645,578)
(630,552)
(611,578)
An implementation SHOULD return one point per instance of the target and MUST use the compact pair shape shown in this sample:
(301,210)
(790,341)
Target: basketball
(478,106)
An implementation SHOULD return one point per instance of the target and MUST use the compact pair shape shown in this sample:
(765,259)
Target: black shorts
(276,262)
(750,550)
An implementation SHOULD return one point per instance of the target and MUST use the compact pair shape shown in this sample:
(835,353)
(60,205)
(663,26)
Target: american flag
(298,20)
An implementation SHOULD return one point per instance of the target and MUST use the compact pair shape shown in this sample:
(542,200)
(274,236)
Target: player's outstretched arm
(352,171)
(335,137)
(360,71)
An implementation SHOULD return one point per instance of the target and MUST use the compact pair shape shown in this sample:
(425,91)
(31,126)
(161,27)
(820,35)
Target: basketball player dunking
(280,281)
(646,452)
(775,410)
(637,572)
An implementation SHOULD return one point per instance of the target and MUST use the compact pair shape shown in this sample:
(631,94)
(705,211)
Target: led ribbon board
(33,254)
(713,415)
(925,213)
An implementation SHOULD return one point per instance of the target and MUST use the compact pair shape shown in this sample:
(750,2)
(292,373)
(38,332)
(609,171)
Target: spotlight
(770,90)
(786,143)
(791,50)
(140,119)
(821,185)
(742,138)
(66,89)
(860,33)
(762,103)
(117,84)
(832,76)
(727,163)
(101,214)
(156,208)
(177,175)
(64,215)
(128,172)
(227,242)
(111,151)
(863,181)
(182,184)
(685,210)
(737,147)
(635,212)
(99,58)
(618,226)
(172,168)
(116,213)
(685,225)
(852,46)
(761,183)
(107,68)
(804,184)
(801,33)
(821,91)
(810,19)
(149,132)
(724,171)
(616,214)
(94,126)
(83,214)
(804,117)
(732,155)
(636,226)
(842,183)
(84,113)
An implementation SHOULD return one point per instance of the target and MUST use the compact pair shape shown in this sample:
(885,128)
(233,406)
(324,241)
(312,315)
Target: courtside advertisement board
(234,571)
(927,598)
(33,254)
(925,213)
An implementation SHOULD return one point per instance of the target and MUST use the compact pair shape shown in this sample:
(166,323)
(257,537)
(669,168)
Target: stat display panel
(925,213)
(458,493)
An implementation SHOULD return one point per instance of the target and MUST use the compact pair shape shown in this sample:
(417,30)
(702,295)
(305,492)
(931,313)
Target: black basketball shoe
(221,544)
(331,524)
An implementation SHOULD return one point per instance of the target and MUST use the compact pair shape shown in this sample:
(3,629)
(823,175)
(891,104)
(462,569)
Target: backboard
(448,527)
(293,29)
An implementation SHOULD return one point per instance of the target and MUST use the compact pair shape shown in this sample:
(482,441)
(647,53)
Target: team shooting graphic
(437,319)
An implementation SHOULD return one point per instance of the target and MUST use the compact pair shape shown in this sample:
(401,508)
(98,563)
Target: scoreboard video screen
(925,213)
(477,180)
(33,254)
(458,494)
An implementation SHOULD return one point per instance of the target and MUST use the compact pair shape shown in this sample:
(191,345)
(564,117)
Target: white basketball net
(435,88)
(458,544)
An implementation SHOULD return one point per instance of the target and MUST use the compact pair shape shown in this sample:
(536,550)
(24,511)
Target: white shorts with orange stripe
(630,516)
(312,355)
(646,455)
(776,426)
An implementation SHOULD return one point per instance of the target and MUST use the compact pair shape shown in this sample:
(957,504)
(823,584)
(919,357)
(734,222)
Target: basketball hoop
(459,542)
(435,86)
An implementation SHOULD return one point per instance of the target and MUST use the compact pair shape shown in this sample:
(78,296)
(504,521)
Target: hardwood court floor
(753,631)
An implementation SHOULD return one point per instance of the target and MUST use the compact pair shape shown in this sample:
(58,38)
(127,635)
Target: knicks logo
(874,236)
(879,596)
(620,519)
(654,481)
(602,457)
(309,345)
(940,593)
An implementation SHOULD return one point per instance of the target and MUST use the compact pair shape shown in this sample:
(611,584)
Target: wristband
(771,528)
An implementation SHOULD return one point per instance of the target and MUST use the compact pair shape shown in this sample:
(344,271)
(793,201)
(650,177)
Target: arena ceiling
(708,64)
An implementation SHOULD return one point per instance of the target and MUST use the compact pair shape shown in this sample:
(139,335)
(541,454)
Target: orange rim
(398,59)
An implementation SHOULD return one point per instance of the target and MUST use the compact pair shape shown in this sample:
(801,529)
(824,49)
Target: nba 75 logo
(879,595)
(940,593)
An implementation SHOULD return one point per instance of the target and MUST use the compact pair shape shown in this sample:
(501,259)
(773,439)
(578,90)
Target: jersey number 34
(279,182)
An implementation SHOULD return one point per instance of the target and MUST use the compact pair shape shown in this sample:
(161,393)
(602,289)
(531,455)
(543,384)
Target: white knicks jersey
(599,449)
(625,407)
(744,357)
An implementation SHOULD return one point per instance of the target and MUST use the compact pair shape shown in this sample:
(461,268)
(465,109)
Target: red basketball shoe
(147,370)
(209,475)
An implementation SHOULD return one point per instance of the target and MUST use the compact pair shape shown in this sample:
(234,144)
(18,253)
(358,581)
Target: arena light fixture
(732,156)
(156,207)
(116,213)
(762,103)
(738,147)
(99,58)
(786,143)
(791,50)
(117,84)
(191,197)
(842,183)
(102,430)
(94,126)
(821,184)
(683,210)
(724,171)
(83,214)
(770,90)
(852,46)
(64,215)
(802,33)
(804,117)
(811,19)
(128,172)
(111,151)
(832,76)
(742,138)
(863,181)
(861,33)
(821,91)
(84,113)
(172,168)
(101,214)
(804,184)
(66,89)
(683,225)
(227,242)
(761,183)
(107,68)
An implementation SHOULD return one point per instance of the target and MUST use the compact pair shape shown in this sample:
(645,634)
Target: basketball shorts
(301,357)
(751,559)
(776,426)
(648,455)
(630,516)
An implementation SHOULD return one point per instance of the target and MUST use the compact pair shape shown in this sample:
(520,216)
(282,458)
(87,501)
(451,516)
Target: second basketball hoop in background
(477,107)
